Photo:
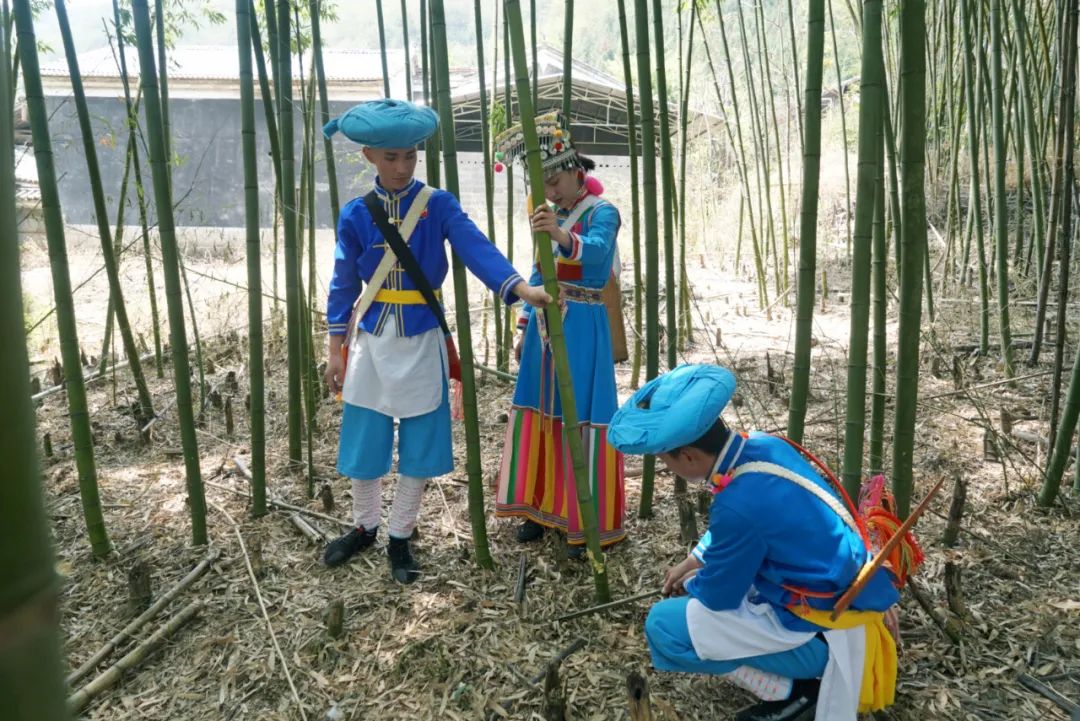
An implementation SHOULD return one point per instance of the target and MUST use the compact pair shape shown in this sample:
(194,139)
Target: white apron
(753,629)
(401,377)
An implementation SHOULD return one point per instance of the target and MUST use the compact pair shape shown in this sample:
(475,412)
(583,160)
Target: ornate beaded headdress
(557,152)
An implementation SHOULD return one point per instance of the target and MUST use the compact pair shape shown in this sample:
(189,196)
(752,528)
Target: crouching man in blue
(399,350)
(752,601)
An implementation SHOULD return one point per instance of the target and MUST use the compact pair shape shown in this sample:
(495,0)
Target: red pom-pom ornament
(499,167)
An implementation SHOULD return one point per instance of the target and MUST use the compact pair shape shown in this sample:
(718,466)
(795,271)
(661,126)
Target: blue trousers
(366,447)
(672,650)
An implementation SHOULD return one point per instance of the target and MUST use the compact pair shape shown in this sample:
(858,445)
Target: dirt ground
(455,645)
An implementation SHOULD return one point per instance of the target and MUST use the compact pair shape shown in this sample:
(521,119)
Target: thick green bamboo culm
(667,188)
(632,141)
(170,268)
(871,99)
(1001,229)
(880,298)
(912,162)
(324,103)
(461,296)
(571,428)
(31,665)
(650,239)
(81,435)
(685,323)
(116,291)
(256,379)
(1063,441)
(806,287)
(288,214)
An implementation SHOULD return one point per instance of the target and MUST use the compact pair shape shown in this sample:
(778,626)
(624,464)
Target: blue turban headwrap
(672,410)
(385,123)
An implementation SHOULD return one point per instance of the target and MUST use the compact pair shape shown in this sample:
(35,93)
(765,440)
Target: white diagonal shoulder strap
(586,204)
(383,269)
(777,470)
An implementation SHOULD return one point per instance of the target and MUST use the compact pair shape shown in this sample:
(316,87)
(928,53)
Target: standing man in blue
(753,599)
(396,345)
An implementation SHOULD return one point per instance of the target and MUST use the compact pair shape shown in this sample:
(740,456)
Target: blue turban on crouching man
(389,355)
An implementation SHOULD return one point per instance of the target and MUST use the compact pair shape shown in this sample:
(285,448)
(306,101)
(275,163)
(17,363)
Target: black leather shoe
(576,553)
(801,706)
(529,531)
(402,566)
(342,549)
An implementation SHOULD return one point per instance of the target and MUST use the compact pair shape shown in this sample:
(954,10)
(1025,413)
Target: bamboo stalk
(31,657)
(632,141)
(807,279)
(461,295)
(586,506)
(78,413)
(912,153)
(116,292)
(650,240)
(170,267)
(871,101)
(256,380)
(667,186)
(1001,230)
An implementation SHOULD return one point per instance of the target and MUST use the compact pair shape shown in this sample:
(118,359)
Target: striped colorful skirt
(536,476)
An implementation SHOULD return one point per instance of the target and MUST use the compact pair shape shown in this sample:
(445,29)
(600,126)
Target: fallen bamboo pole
(129,630)
(78,700)
(608,606)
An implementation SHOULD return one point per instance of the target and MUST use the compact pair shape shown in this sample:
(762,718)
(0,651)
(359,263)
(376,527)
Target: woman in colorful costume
(398,359)
(782,546)
(536,477)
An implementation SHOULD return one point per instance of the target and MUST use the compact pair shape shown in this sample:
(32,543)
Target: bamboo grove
(958,118)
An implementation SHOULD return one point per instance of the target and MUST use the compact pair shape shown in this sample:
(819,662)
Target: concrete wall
(208,182)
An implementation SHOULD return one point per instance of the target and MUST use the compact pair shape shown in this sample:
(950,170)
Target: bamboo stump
(228,417)
(138,578)
(335,619)
(554,695)
(46,442)
(327,498)
(637,692)
(954,591)
(688,532)
(956,513)
(704,503)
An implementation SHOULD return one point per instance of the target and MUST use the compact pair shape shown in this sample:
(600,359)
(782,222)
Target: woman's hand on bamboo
(545,221)
(534,295)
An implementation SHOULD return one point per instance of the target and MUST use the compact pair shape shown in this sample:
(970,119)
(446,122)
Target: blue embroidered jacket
(587,262)
(769,533)
(360,248)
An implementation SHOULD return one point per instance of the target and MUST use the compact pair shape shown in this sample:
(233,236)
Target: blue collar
(387,195)
(729,454)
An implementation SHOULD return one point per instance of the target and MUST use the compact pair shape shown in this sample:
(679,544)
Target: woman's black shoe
(402,566)
(342,549)
(529,531)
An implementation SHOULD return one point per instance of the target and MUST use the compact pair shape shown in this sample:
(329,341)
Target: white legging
(367,504)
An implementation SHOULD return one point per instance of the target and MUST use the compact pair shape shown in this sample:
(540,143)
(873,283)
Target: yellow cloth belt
(879,665)
(403,297)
